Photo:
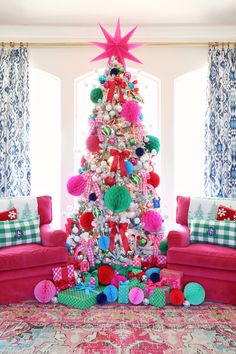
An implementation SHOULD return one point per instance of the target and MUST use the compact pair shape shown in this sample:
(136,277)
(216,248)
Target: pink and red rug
(33,328)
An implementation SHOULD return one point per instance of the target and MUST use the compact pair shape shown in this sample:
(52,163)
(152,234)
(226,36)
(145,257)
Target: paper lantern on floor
(154,179)
(86,220)
(136,296)
(152,221)
(105,274)
(152,144)
(194,293)
(44,291)
(76,185)
(176,297)
(101,299)
(92,143)
(111,293)
(117,199)
(131,111)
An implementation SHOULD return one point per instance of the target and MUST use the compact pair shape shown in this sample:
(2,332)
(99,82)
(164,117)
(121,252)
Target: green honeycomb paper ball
(152,144)
(163,247)
(194,293)
(117,199)
(96,94)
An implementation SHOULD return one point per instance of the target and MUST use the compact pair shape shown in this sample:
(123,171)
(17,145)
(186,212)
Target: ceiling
(91,12)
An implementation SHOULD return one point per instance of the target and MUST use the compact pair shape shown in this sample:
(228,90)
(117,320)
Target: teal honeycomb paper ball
(194,293)
(117,199)
(152,144)
(96,94)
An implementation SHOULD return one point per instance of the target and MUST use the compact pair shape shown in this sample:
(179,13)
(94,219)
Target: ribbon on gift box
(119,158)
(172,281)
(86,246)
(137,261)
(111,85)
(91,185)
(152,262)
(97,123)
(150,287)
(90,288)
(89,276)
(118,228)
(156,239)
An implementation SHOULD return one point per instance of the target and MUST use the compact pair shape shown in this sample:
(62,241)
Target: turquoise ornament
(104,242)
(129,167)
(102,79)
(131,85)
(111,293)
(194,293)
(141,116)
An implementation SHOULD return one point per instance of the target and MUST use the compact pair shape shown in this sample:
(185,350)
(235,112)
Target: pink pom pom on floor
(76,185)
(44,291)
(131,111)
(136,296)
(152,221)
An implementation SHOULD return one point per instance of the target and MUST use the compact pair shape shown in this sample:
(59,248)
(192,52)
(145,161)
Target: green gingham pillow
(221,233)
(18,232)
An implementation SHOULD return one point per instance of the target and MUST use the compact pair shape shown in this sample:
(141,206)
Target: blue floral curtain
(220,124)
(14,122)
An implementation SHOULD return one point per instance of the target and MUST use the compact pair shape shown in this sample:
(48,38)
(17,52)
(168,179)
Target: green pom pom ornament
(117,199)
(96,94)
(194,293)
(152,144)
(163,247)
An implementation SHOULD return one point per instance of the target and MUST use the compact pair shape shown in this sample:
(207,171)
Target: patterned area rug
(33,328)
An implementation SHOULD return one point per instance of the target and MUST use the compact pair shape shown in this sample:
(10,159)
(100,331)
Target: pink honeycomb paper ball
(131,111)
(152,221)
(136,296)
(76,185)
(44,291)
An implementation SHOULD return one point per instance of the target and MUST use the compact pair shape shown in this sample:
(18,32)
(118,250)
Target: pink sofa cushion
(45,209)
(182,210)
(204,255)
(28,256)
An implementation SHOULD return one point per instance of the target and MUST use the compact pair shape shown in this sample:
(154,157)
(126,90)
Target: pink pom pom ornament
(76,185)
(131,111)
(152,221)
(116,279)
(44,291)
(136,296)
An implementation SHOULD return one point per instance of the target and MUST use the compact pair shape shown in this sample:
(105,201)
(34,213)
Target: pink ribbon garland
(156,239)
(92,186)
(97,124)
(139,131)
(145,185)
(88,247)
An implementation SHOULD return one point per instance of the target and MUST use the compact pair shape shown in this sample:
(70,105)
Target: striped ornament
(107,130)
(135,179)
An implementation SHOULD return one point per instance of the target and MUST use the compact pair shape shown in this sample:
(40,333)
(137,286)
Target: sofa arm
(51,237)
(178,237)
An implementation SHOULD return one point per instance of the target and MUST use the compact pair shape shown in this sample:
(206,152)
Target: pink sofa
(213,266)
(22,267)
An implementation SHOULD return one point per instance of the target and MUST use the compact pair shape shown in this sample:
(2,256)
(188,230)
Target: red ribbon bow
(119,157)
(65,282)
(121,228)
(111,86)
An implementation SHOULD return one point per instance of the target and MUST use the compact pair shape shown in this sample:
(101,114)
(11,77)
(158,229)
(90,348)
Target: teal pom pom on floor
(194,293)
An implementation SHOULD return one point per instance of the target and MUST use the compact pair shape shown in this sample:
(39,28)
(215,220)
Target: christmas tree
(118,220)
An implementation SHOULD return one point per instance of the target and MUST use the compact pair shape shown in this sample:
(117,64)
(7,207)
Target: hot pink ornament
(152,221)
(136,296)
(131,111)
(112,141)
(44,291)
(76,185)
(127,75)
(133,160)
(116,279)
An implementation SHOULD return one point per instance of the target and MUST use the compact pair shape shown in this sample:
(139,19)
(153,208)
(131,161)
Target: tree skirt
(30,327)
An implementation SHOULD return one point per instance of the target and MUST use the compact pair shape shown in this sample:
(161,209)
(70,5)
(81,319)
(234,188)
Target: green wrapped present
(88,276)
(125,270)
(158,298)
(81,296)
(123,294)
(135,283)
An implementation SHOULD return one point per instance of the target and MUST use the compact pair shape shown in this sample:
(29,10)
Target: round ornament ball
(131,111)
(129,167)
(154,179)
(117,199)
(44,291)
(152,144)
(96,95)
(136,296)
(54,300)
(114,72)
(83,161)
(102,79)
(111,293)
(92,197)
(132,141)
(105,274)
(101,299)
(186,303)
(152,221)
(146,301)
(133,160)
(97,212)
(76,185)
(104,242)
(92,143)
(176,297)
(127,75)
(106,130)
(139,151)
(142,242)
(194,293)
(86,220)
(135,179)
(110,181)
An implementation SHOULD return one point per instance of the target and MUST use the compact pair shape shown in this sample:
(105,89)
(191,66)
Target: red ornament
(92,143)
(83,161)
(105,274)
(154,179)
(176,297)
(110,181)
(86,220)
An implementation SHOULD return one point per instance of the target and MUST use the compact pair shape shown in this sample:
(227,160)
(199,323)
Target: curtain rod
(87,44)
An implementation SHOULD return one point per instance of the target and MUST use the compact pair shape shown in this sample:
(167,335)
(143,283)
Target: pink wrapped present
(173,278)
(167,292)
(137,262)
(63,277)
(161,259)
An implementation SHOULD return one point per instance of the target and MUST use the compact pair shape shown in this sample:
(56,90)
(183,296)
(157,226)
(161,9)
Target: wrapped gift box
(78,298)
(123,294)
(158,298)
(173,278)
(135,283)
(63,277)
